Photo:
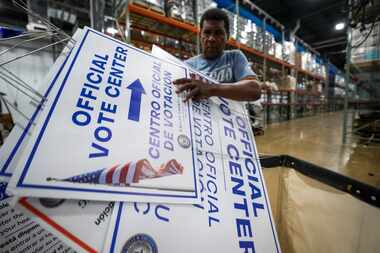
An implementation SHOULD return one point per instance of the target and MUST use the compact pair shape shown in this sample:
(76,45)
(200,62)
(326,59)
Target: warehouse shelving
(144,19)
(361,114)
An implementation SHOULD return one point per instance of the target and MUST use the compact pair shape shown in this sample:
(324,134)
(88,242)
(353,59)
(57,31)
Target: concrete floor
(318,139)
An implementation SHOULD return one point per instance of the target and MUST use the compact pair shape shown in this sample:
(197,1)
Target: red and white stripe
(119,174)
(133,172)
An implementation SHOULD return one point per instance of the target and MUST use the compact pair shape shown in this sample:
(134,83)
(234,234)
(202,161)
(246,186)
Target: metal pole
(237,22)
(97,14)
(198,26)
(347,76)
(282,51)
(92,14)
(127,23)
(327,85)
(264,51)
(269,95)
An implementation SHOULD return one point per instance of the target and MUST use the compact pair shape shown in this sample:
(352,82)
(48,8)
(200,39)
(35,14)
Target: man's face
(213,38)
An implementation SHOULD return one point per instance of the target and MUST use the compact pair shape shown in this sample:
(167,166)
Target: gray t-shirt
(231,66)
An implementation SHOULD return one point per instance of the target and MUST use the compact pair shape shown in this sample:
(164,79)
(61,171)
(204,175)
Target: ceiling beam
(331,45)
(318,43)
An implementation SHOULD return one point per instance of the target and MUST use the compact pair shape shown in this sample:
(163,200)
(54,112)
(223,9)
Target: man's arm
(247,89)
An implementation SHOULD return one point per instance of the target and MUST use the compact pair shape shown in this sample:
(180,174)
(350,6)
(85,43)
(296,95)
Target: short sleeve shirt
(231,66)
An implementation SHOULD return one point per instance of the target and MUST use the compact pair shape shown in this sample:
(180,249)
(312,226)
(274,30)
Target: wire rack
(29,43)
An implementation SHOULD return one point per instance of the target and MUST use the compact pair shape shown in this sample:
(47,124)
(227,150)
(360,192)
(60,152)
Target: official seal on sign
(51,203)
(140,243)
(183,141)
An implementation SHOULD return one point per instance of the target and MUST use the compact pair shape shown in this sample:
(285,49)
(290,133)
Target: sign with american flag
(112,129)
(127,174)
(234,200)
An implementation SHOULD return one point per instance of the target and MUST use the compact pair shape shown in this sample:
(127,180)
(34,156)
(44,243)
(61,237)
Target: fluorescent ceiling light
(111,30)
(339,26)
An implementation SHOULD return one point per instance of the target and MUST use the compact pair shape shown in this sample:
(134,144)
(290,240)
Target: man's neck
(212,58)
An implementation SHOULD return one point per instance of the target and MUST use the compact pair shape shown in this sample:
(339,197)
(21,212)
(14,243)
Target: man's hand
(247,89)
(196,89)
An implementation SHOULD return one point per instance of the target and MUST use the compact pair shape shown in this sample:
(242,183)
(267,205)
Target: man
(229,67)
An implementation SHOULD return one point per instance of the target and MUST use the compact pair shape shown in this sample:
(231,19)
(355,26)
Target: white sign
(234,199)
(19,233)
(81,224)
(234,215)
(115,130)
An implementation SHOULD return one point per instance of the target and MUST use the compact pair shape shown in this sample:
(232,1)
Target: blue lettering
(103,134)
(236,188)
(101,151)
(81,118)
(159,214)
(248,246)
(242,206)
(246,225)
(112,91)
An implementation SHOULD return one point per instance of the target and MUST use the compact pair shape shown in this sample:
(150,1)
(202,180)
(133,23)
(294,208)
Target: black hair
(216,14)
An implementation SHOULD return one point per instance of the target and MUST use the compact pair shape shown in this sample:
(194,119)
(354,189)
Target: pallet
(149,6)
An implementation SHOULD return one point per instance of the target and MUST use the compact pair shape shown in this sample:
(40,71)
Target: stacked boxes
(248,33)
(270,43)
(278,52)
(258,41)
(369,50)
(180,9)
(233,24)
(305,60)
(203,5)
(297,59)
(289,52)
(321,70)
(288,83)
(244,29)
(157,5)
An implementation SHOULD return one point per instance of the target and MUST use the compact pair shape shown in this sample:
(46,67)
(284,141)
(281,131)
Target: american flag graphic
(125,174)
(170,168)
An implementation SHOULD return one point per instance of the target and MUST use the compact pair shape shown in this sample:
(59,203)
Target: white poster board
(20,233)
(115,130)
(81,224)
(234,215)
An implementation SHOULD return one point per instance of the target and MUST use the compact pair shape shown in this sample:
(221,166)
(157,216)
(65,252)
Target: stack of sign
(112,129)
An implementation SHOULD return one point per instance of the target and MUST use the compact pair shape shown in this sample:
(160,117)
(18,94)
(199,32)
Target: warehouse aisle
(318,139)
